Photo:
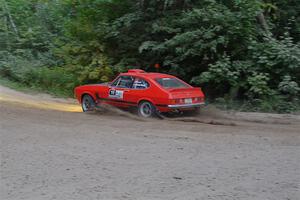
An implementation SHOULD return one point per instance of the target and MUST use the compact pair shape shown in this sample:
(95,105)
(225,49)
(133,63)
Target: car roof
(151,75)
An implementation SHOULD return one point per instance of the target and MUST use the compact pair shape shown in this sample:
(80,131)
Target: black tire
(87,103)
(146,109)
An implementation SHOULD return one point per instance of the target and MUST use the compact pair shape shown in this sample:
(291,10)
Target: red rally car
(151,93)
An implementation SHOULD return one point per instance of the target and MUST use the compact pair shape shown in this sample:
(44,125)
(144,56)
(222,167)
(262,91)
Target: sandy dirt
(50,150)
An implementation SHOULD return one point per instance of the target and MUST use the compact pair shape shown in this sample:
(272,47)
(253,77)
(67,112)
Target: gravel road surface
(49,150)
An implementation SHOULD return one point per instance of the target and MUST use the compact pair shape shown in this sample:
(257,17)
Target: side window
(140,83)
(124,82)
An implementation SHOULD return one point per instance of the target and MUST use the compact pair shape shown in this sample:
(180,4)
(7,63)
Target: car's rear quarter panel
(156,95)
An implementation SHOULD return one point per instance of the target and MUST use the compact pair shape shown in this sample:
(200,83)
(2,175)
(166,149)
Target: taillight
(176,101)
(173,101)
(199,99)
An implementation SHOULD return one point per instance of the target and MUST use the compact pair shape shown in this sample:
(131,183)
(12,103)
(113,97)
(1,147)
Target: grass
(31,89)
(17,86)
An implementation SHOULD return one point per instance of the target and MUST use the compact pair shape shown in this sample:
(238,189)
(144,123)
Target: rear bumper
(191,105)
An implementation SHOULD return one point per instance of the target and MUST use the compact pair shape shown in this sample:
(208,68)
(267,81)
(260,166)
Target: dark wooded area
(238,50)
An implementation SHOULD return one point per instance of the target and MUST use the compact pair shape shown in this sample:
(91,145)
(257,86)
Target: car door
(119,91)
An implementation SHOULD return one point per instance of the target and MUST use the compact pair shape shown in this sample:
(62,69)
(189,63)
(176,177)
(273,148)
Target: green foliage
(272,65)
(259,85)
(237,50)
(288,86)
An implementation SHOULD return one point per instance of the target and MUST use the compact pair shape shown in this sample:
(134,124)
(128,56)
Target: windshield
(171,83)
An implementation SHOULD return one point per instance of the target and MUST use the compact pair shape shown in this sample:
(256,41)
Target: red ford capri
(150,93)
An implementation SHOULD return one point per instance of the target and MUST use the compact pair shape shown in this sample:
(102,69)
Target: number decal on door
(117,94)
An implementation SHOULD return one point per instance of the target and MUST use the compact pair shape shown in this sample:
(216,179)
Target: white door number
(117,94)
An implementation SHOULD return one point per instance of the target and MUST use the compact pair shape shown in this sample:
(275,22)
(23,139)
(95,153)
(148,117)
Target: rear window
(171,83)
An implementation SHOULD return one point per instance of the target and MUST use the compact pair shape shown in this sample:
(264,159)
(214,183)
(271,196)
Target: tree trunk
(263,23)
(11,21)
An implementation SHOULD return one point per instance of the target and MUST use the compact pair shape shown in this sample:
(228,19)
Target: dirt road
(49,150)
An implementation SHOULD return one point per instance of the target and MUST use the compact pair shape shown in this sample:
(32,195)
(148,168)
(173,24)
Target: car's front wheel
(146,109)
(87,103)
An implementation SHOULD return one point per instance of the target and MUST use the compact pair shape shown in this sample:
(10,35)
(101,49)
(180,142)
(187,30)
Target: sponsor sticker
(116,94)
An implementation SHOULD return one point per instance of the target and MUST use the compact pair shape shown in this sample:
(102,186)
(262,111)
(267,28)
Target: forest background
(245,54)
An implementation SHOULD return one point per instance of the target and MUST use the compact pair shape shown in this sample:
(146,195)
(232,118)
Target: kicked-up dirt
(50,150)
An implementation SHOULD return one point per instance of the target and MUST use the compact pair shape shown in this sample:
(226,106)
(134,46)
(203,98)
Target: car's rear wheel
(87,103)
(146,109)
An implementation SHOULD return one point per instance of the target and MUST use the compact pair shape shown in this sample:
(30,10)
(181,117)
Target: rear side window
(140,83)
(171,83)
